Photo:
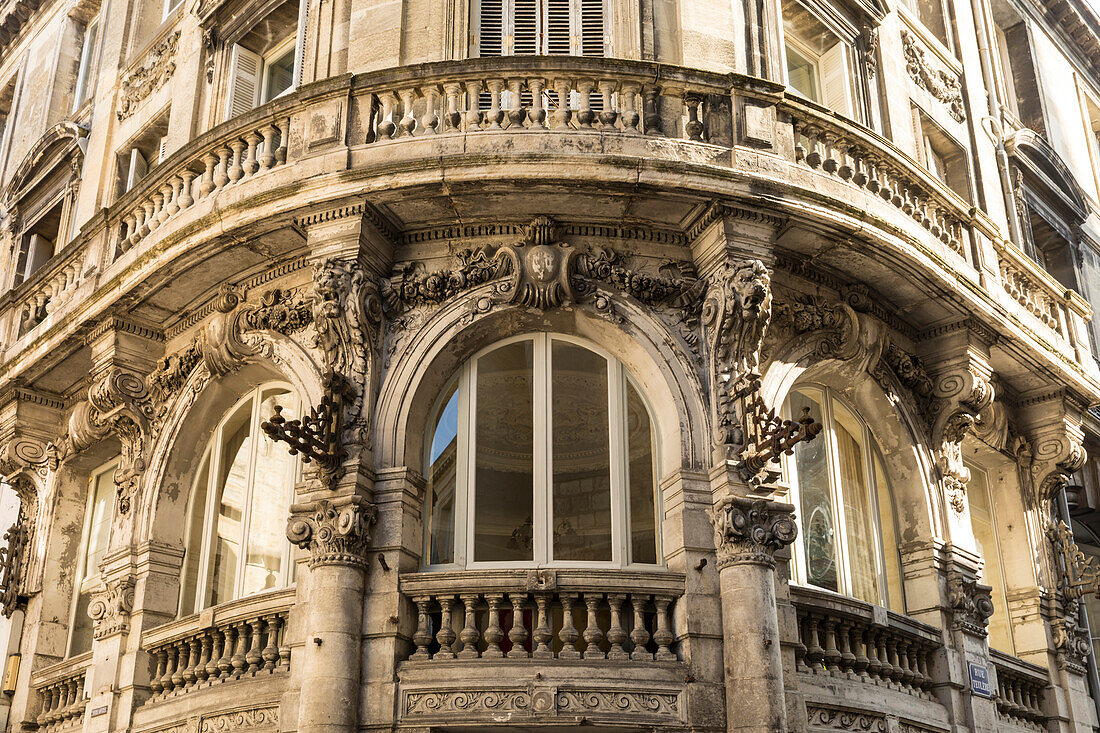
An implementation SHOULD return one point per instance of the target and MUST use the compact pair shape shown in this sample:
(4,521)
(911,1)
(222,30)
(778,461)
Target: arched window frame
(88,577)
(870,449)
(466,392)
(211,460)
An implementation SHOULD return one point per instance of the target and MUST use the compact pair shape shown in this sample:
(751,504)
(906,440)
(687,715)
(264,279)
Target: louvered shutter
(835,79)
(489,34)
(591,34)
(137,168)
(525,28)
(557,28)
(244,81)
(162,149)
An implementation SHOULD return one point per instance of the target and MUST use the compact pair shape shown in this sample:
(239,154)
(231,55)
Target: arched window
(847,521)
(236,544)
(541,451)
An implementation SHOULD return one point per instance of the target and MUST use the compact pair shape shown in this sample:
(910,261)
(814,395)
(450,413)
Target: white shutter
(836,79)
(557,25)
(137,169)
(83,79)
(244,81)
(591,33)
(525,28)
(489,34)
(162,149)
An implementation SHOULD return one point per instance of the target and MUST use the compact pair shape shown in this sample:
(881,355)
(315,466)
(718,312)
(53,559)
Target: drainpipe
(996,120)
(1083,619)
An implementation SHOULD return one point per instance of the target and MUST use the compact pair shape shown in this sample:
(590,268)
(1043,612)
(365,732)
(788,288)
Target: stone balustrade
(866,160)
(244,638)
(846,638)
(235,156)
(48,287)
(536,94)
(1020,688)
(61,694)
(1039,293)
(544,614)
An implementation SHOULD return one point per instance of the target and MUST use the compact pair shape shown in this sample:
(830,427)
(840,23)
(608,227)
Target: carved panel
(444,702)
(618,702)
(823,718)
(942,85)
(250,719)
(545,702)
(155,70)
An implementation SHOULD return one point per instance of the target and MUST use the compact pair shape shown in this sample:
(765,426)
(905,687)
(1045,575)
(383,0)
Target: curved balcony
(666,140)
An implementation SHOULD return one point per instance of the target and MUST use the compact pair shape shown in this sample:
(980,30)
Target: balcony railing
(1020,690)
(843,637)
(61,694)
(244,638)
(544,614)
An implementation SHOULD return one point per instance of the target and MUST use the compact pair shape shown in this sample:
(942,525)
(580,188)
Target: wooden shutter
(525,28)
(558,41)
(835,77)
(83,79)
(489,34)
(591,33)
(137,168)
(244,81)
(162,149)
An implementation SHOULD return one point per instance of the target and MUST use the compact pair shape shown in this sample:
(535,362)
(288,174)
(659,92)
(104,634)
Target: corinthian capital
(750,530)
(337,531)
(110,608)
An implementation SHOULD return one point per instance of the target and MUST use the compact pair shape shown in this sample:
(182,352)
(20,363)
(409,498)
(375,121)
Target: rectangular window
(94,541)
(1091,114)
(142,153)
(540,27)
(39,242)
(940,155)
(264,63)
(86,72)
(935,16)
(818,61)
(983,521)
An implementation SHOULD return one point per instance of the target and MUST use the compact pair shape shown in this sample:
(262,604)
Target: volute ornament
(750,530)
(971,603)
(1071,642)
(110,608)
(337,531)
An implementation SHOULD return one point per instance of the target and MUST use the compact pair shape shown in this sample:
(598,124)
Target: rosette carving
(110,608)
(337,531)
(971,603)
(750,530)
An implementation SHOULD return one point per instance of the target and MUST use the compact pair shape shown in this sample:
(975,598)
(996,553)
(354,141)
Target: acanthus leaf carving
(751,529)
(336,532)
(110,608)
(157,68)
(944,86)
(1072,643)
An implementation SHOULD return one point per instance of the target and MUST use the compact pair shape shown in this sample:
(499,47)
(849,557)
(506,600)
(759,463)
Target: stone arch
(658,359)
(65,140)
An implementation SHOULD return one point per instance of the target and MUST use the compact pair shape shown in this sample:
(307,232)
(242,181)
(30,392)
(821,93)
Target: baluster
(153,222)
(800,662)
(899,187)
(859,167)
(832,654)
(873,182)
(663,634)
(221,174)
(66,699)
(166,684)
(543,634)
(844,171)
(925,670)
(469,635)
(693,127)
(284,139)
(216,651)
(255,657)
(270,653)
(563,112)
(815,655)
(813,155)
(130,222)
(495,115)
(516,113)
(189,676)
(639,635)
(236,168)
(225,663)
(164,203)
(182,653)
(175,185)
(451,116)
(908,206)
(43,714)
(267,157)
(408,122)
(609,115)
(430,120)
(896,671)
(873,664)
(914,669)
(155,684)
(207,184)
(240,664)
(207,642)
(446,634)
(423,635)
(518,633)
(593,635)
(616,634)
(473,103)
(568,634)
(284,647)
(251,163)
(386,126)
(907,674)
(537,115)
(829,163)
(585,115)
(652,117)
(493,631)
(185,198)
(847,659)
(629,114)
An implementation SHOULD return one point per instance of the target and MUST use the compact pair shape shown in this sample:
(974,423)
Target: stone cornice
(122,325)
(474,231)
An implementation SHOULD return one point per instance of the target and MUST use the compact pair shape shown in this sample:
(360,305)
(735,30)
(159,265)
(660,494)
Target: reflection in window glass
(504,498)
(861,542)
(983,522)
(815,500)
(442,467)
(802,74)
(97,532)
(190,580)
(643,513)
(891,542)
(231,487)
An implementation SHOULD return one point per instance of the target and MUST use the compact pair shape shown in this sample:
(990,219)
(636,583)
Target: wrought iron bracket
(769,436)
(1079,576)
(317,437)
(11,563)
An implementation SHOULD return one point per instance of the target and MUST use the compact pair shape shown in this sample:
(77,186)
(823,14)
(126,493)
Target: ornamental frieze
(156,69)
(942,85)
(545,703)
(838,719)
(266,717)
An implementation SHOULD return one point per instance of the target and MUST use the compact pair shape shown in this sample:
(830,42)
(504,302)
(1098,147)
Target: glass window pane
(891,542)
(99,529)
(504,478)
(802,74)
(268,505)
(279,75)
(443,462)
(582,461)
(818,526)
(81,640)
(190,581)
(643,516)
(984,526)
(232,490)
(858,520)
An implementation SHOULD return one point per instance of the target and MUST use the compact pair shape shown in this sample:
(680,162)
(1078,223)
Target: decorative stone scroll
(155,70)
(942,85)
(266,717)
(110,608)
(837,719)
(1071,641)
(337,531)
(750,530)
(962,393)
(971,603)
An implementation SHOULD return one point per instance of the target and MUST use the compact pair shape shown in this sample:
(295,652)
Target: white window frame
(844,48)
(170,7)
(1002,602)
(273,55)
(89,54)
(542,463)
(87,581)
(541,34)
(840,528)
(213,454)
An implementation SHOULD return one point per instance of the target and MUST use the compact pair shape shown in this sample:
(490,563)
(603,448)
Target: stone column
(747,532)
(336,531)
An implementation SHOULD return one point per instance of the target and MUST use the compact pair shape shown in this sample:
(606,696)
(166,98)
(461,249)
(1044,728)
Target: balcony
(1020,692)
(61,694)
(665,140)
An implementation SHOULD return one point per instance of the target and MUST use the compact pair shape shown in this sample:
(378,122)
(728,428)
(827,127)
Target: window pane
(270,498)
(982,522)
(441,482)
(582,465)
(232,489)
(195,539)
(643,519)
(818,534)
(504,479)
(858,519)
(802,74)
(82,626)
(279,75)
(99,529)
(891,542)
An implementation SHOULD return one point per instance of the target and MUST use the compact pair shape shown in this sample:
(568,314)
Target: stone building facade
(470,365)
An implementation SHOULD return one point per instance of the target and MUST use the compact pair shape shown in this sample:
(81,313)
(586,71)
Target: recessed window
(236,544)
(848,539)
(263,64)
(817,60)
(39,242)
(542,451)
(143,153)
(540,27)
(940,155)
(934,16)
(93,543)
(983,520)
(85,76)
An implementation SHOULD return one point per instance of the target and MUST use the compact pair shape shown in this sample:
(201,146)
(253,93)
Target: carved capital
(749,530)
(1052,423)
(110,608)
(971,603)
(337,531)
(1071,643)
